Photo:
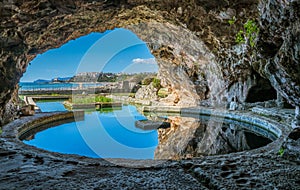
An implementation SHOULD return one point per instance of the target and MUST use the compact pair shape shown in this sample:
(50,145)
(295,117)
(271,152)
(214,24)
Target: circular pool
(111,133)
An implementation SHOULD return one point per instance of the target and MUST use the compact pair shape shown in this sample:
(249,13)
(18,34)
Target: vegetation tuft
(281,151)
(249,33)
(147,81)
(232,21)
(156,83)
(163,92)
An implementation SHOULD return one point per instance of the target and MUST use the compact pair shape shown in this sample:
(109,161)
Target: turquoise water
(51,106)
(112,134)
(101,134)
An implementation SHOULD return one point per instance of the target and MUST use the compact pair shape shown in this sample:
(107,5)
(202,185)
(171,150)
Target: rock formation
(279,47)
(148,92)
(193,42)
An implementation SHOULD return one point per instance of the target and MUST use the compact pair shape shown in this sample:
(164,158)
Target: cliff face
(193,43)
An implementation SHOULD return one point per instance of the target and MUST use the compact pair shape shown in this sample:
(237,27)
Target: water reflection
(195,137)
(106,133)
(111,133)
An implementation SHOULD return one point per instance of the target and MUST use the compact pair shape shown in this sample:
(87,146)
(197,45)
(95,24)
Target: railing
(77,90)
(49,89)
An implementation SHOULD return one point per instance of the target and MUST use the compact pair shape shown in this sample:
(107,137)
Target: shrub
(250,33)
(239,38)
(156,83)
(87,100)
(102,99)
(147,81)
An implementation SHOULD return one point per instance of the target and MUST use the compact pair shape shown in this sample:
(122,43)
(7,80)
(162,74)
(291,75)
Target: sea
(26,86)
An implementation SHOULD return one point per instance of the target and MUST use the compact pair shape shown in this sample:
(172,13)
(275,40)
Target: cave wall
(186,65)
(279,47)
(192,41)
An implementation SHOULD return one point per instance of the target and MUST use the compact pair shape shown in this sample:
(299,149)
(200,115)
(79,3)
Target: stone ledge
(151,125)
(31,167)
(15,129)
(20,126)
(246,117)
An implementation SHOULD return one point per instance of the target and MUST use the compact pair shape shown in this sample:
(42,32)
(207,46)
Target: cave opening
(112,56)
(262,91)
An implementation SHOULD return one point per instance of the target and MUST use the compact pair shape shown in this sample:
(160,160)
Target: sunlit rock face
(148,92)
(186,65)
(192,42)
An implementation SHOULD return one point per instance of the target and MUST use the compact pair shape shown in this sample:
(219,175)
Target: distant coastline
(86,83)
(94,77)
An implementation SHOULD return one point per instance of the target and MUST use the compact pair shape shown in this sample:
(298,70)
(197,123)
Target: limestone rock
(28,110)
(291,146)
(279,47)
(147,93)
(192,42)
(170,100)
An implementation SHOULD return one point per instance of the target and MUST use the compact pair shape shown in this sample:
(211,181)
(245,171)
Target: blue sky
(118,50)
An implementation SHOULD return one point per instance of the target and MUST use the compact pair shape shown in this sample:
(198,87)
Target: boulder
(28,110)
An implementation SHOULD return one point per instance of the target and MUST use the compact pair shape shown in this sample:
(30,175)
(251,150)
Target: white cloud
(141,68)
(144,61)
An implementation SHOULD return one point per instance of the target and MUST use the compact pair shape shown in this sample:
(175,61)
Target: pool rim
(11,133)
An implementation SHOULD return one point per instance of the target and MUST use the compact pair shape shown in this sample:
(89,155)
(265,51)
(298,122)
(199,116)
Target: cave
(179,34)
(262,91)
(59,23)
(33,27)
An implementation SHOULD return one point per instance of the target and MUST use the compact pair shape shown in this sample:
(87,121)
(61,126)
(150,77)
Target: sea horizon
(58,85)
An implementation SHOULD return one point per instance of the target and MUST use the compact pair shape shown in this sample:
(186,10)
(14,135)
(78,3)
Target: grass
(55,94)
(102,99)
(0,130)
(90,99)
(124,94)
